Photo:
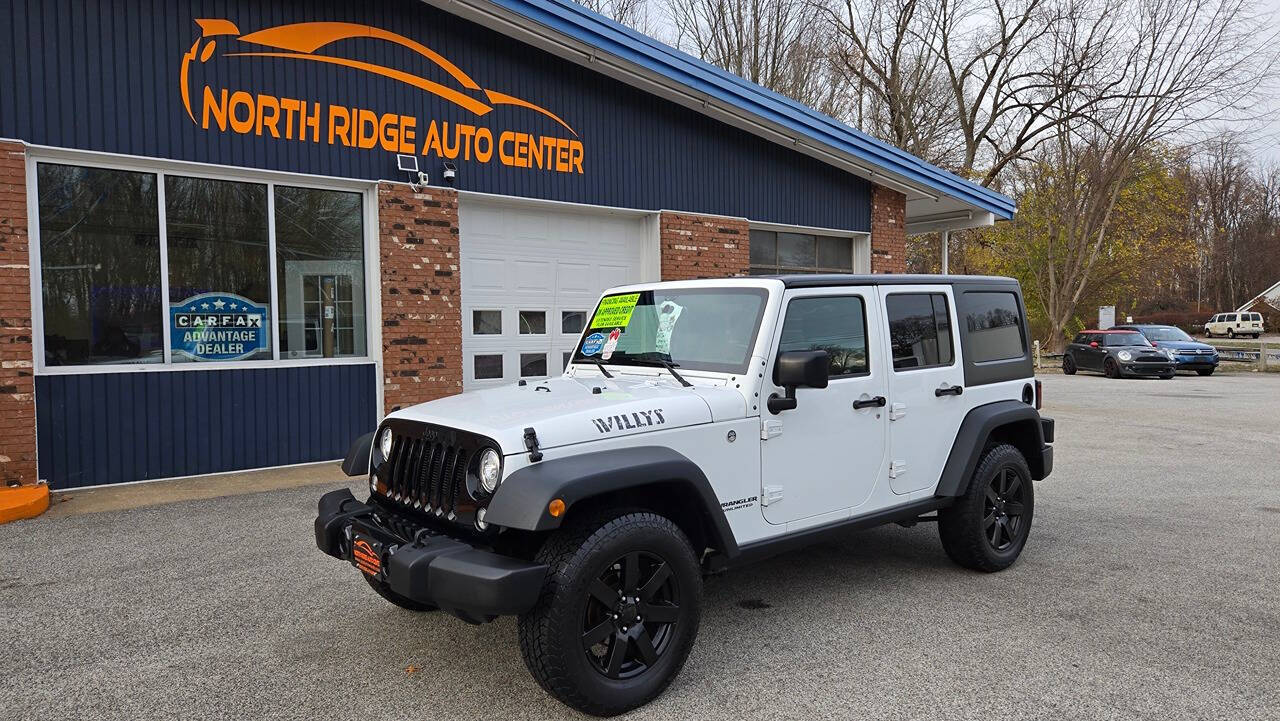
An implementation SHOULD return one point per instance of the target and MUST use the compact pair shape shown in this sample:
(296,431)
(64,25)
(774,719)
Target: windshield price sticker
(593,344)
(615,311)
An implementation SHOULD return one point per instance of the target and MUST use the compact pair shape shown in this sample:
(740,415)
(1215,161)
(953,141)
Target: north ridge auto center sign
(217,326)
(245,111)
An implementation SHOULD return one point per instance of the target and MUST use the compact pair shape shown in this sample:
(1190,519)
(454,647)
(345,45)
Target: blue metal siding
(105,76)
(103,428)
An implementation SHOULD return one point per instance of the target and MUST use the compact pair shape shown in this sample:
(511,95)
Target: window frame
(866,331)
(952,331)
(161,168)
(858,240)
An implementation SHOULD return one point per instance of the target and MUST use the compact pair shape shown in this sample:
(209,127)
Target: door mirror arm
(777,404)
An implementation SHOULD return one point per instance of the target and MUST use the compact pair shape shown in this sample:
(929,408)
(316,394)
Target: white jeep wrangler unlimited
(700,425)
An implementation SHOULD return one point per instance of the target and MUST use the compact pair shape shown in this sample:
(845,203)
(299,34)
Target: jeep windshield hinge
(531,442)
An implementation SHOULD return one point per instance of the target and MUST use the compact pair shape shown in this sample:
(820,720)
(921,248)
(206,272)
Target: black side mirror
(794,369)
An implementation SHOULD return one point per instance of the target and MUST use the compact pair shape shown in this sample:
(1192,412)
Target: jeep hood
(567,410)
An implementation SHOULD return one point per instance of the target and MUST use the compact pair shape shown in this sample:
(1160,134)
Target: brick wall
(421,294)
(888,231)
(17,391)
(703,246)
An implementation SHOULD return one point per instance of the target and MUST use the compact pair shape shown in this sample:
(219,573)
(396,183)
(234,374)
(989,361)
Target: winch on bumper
(472,584)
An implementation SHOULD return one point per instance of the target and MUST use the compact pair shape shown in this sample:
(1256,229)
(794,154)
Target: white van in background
(1234,324)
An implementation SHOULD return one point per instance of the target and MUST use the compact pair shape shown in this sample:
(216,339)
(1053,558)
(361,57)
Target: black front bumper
(1148,368)
(472,584)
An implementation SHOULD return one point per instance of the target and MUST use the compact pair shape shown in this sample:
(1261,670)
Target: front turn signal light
(556,508)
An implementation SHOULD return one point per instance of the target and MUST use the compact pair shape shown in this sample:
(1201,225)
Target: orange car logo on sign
(365,558)
(244,112)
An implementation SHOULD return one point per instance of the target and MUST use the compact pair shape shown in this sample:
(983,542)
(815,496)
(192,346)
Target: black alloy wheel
(633,607)
(1110,368)
(988,526)
(1068,365)
(1003,509)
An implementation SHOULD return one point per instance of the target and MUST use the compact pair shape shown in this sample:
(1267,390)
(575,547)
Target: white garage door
(530,276)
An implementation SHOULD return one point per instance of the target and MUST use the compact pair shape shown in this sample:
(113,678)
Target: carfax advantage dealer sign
(338,89)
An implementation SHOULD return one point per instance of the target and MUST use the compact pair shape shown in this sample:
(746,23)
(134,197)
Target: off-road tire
(1205,371)
(1110,368)
(1068,365)
(382,588)
(551,634)
(962,526)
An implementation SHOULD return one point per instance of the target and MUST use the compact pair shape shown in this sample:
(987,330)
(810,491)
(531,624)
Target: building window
(533,365)
(487,367)
(775,253)
(320,272)
(572,321)
(99,266)
(486,322)
(219,269)
(533,322)
(107,261)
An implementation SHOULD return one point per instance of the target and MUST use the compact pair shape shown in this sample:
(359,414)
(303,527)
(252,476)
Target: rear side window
(994,327)
(919,330)
(1231,318)
(1257,316)
(1080,339)
(836,325)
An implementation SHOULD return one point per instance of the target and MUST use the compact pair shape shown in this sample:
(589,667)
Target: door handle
(949,391)
(877,402)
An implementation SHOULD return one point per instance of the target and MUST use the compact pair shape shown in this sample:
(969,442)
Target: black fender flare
(522,499)
(1027,433)
(357,461)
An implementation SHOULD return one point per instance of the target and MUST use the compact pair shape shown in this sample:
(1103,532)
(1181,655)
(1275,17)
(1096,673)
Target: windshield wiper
(598,363)
(669,366)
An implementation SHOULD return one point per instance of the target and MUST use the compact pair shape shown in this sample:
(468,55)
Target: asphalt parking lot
(1148,590)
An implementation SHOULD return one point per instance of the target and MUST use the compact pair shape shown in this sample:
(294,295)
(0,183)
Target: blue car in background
(1189,353)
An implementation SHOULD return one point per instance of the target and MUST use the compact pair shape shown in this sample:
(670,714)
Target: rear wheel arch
(1011,422)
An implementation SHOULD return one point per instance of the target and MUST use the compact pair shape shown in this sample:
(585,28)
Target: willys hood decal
(568,410)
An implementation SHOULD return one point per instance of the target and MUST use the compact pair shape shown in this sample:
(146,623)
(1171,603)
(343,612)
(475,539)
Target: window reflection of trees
(217,232)
(99,265)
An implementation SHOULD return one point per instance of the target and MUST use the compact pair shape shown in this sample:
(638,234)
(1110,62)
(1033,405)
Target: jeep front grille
(430,475)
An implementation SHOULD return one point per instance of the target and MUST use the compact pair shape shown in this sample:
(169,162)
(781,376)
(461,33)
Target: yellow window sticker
(615,311)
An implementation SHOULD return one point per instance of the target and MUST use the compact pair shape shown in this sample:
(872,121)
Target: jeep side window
(994,326)
(919,330)
(837,325)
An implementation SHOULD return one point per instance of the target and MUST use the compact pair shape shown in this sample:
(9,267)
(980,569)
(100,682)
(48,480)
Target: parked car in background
(1234,324)
(1117,353)
(1189,354)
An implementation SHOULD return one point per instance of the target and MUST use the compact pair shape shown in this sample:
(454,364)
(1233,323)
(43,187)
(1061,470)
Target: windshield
(1159,334)
(711,329)
(1119,339)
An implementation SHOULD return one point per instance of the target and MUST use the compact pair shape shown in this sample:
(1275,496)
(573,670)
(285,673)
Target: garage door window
(572,321)
(533,322)
(533,365)
(486,322)
(120,286)
(487,367)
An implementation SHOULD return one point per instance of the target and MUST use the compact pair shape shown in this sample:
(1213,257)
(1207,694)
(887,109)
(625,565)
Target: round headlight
(384,443)
(490,470)
(1125,355)
(1171,353)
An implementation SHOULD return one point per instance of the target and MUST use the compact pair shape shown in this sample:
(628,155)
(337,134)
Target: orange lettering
(522,150)
(562,156)
(486,154)
(290,106)
(450,151)
(310,121)
(535,152)
(467,132)
(367,129)
(431,144)
(505,156)
(575,155)
(389,132)
(407,124)
(268,115)
(219,110)
(241,99)
(340,131)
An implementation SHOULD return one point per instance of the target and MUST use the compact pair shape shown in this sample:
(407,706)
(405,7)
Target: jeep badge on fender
(699,425)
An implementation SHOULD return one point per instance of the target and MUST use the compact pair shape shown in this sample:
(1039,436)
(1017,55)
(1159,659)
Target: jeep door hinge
(897,468)
(770,429)
(770,494)
(897,410)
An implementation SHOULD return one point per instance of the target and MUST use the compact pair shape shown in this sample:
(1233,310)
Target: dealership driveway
(1148,590)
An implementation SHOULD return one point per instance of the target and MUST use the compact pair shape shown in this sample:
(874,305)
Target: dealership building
(233,234)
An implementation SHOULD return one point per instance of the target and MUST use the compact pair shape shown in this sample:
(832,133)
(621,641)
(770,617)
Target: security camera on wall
(450,173)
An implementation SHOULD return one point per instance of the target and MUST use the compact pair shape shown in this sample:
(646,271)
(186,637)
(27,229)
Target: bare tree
(1172,65)
(780,44)
(632,13)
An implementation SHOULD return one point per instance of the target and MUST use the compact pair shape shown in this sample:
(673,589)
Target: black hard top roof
(835,279)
